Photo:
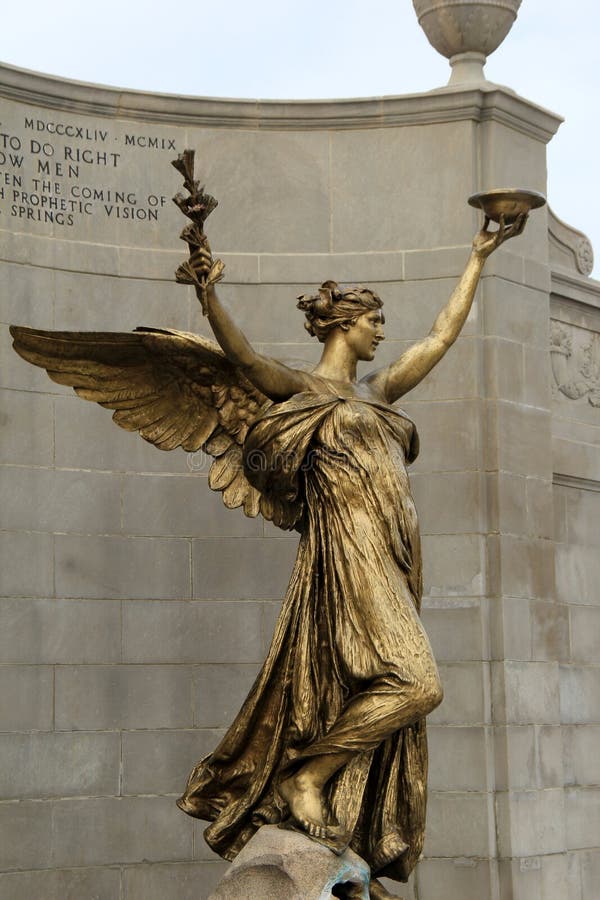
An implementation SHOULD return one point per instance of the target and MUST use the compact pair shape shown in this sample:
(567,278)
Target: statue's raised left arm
(395,380)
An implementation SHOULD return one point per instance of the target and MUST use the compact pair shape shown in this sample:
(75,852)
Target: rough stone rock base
(285,865)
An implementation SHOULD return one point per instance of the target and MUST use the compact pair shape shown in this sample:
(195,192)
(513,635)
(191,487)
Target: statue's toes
(378,892)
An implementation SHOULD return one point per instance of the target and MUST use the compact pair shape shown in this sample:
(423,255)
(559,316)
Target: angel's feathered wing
(177,389)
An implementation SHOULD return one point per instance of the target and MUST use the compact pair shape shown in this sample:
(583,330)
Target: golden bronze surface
(509,203)
(331,738)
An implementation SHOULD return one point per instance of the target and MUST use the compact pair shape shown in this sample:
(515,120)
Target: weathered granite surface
(277,864)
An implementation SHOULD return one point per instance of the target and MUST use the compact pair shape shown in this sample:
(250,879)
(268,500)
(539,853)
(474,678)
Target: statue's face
(366,334)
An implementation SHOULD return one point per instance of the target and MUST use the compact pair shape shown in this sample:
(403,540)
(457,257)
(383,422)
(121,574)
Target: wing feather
(251,502)
(201,432)
(219,442)
(235,494)
(225,469)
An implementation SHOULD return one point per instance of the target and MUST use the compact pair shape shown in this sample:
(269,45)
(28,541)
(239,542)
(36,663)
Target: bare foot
(378,892)
(304,799)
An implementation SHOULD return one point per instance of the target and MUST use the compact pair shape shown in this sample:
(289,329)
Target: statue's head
(337,306)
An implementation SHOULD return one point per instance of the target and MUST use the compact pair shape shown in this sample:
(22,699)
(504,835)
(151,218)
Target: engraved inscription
(58,173)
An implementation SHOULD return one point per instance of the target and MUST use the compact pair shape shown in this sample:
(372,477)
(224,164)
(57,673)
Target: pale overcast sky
(324,48)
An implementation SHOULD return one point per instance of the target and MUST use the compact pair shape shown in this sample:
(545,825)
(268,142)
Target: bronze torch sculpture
(331,738)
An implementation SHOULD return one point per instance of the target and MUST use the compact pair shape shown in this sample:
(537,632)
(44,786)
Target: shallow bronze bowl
(507,202)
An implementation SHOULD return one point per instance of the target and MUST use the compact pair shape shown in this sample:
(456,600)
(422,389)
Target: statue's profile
(331,738)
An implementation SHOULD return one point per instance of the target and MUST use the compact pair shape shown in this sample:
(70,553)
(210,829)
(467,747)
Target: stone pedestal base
(285,865)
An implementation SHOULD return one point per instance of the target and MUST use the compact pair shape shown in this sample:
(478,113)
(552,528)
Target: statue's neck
(338,361)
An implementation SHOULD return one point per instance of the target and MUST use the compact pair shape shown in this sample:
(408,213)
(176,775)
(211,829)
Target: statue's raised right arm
(276,380)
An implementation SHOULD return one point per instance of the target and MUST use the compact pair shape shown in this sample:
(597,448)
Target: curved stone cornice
(480,104)
(578,289)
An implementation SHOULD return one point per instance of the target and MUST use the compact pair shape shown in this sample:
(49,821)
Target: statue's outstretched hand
(485,241)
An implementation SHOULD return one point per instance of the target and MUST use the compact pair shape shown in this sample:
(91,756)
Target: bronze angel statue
(331,738)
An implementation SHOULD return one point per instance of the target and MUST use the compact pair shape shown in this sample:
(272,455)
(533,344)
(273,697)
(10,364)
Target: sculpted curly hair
(336,305)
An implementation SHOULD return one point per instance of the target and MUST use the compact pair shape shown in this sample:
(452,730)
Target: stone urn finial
(466,31)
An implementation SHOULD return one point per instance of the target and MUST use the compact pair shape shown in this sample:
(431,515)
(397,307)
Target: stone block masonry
(137,610)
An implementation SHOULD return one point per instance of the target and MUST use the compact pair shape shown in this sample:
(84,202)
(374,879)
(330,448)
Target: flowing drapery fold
(349,651)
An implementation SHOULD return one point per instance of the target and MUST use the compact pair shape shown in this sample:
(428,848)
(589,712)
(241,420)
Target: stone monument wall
(138,609)
(573,635)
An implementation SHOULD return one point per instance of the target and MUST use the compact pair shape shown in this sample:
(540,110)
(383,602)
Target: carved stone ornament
(585,256)
(466,31)
(575,363)
(569,248)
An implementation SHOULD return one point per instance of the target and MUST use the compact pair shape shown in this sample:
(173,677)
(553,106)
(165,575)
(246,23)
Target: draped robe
(349,627)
